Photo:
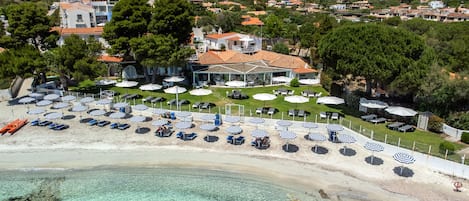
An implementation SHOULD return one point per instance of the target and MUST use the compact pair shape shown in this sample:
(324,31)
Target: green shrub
(326,81)
(465,137)
(459,120)
(447,146)
(435,124)
(85,84)
(294,83)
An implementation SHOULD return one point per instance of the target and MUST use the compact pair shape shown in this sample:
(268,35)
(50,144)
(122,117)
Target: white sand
(341,177)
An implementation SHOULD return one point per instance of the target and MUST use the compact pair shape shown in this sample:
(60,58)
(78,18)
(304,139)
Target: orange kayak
(13,126)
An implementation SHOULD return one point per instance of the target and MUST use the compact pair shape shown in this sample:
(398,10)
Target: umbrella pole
(316,148)
(402,168)
(372,156)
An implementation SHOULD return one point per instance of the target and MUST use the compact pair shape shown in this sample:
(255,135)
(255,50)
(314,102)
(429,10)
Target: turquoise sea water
(166,184)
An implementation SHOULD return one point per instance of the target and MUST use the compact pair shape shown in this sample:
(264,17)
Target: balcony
(245,50)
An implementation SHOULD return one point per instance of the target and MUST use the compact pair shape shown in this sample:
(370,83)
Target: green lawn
(422,139)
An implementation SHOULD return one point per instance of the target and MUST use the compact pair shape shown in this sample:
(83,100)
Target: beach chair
(167,133)
(124,96)
(183,102)
(239,140)
(180,135)
(191,136)
(291,93)
(196,105)
(147,99)
(406,128)
(271,111)
(368,117)
(123,126)
(259,110)
(323,115)
(35,122)
(103,123)
(230,139)
(92,122)
(206,105)
(114,125)
(378,120)
(395,125)
(291,112)
(335,116)
(61,127)
(52,125)
(171,102)
(44,123)
(156,100)
(319,94)
(301,113)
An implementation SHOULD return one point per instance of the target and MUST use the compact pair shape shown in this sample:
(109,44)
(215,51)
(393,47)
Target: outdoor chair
(406,128)
(335,116)
(301,113)
(124,96)
(291,92)
(284,93)
(92,122)
(103,123)
(259,110)
(114,125)
(395,125)
(230,139)
(133,96)
(378,120)
(123,126)
(183,102)
(303,93)
(157,99)
(35,122)
(271,111)
(319,94)
(291,112)
(191,136)
(323,115)
(369,117)
(196,105)
(312,95)
(147,99)
(239,140)
(171,102)
(206,105)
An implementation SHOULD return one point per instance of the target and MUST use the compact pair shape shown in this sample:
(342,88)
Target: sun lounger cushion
(395,125)
(335,116)
(323,115)
(369,117)
(406,128)
(301,113)
(378,120)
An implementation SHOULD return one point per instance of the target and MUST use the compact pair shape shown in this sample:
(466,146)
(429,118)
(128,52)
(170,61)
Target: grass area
(418,140)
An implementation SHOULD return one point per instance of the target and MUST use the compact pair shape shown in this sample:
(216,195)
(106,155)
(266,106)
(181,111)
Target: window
(79,18)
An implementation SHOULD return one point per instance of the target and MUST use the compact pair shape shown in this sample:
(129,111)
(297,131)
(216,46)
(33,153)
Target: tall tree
(75,59)
(172,17)
(274,28)
(129,20)
(377,52)
(29,24)
(228,21)
(23,61)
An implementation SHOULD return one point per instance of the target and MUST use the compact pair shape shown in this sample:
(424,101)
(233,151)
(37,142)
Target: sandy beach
(340,177)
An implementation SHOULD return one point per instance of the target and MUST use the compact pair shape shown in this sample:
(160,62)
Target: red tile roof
(79,31)
(110,59)
(218,36)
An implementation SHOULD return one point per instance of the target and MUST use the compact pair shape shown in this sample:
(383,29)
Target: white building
(338,7)
(85,13)
(436,4)
(233,41)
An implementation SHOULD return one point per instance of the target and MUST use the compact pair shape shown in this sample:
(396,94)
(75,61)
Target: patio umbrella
(97,112)
(120,104)
(284,123)
(208,127)
(401,111)
(51,97)
(103,101)
(373,147)
(281,79)
(150,87)
(174,79)
(330,100)
(183,114)
(264,97)
(60,105)
(176,90)
(404,159)
(105,82)
(234,129)
(259,133)
(117,115)
(373,104)
(43,103)
(79,108)
(127,84)
(53,115)
(137,119)
(200,92)
(232,119)
(235,83)
(288,135)
(334,127)
(256,120)
(36,111)
(68,98)
(316,137)
(208,117)
(183,125)
(36,95)
(140,107)
(308,81)
(26,100)
(159,111)
(344,138)
(87,100)
(159,122)
(309,125)
(296,99)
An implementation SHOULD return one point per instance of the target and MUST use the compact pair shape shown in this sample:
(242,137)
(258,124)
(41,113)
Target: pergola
(252,73)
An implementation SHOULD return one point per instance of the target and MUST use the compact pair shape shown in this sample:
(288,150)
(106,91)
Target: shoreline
(85,147)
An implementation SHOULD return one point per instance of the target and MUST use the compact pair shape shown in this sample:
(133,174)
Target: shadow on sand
(211,138)
(142,130)
(406,172)
(347,152)
(376,160)
(319,150)
(291,148)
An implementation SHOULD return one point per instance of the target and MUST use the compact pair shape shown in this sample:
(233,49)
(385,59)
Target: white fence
(453,132)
